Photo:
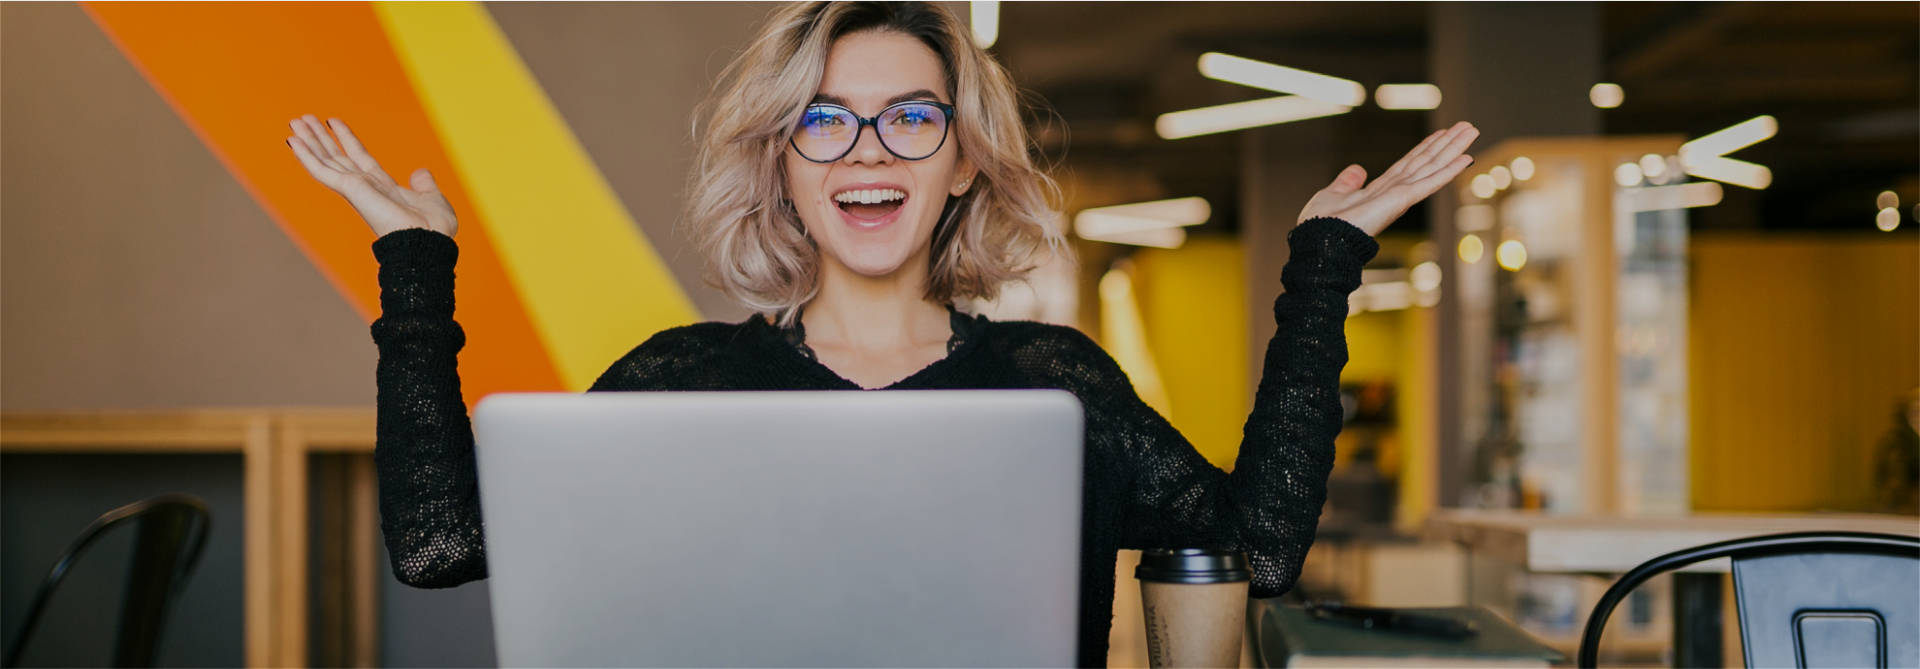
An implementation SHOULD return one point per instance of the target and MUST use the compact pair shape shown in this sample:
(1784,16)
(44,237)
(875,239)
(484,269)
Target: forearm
(429,505)
(1279,479)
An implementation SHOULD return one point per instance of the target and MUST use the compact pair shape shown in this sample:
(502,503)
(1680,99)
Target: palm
(1373,206)
(348,169)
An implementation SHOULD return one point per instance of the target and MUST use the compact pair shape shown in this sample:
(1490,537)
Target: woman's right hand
(353,173)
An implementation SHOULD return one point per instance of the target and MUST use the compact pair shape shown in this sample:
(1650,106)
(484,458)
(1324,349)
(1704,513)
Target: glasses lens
(913,131)
(825,132)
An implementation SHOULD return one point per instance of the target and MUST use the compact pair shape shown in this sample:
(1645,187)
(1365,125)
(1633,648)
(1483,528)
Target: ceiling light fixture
(1606,96)
(1407,96)
(986,22)
(1736,172)
(1728,140)
(1157,223)
(1282,79)
(1705,157)
(1242,115)
(1682,196)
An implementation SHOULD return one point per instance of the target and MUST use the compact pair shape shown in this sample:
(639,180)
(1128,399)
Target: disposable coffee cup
(1195,602)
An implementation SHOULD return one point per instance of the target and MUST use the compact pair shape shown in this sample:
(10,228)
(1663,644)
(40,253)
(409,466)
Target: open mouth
(870,203)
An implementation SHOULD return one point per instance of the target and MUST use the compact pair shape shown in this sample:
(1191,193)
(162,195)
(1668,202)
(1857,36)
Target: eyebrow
(921,94)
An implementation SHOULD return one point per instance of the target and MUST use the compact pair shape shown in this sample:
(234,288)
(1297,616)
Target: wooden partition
(277,447)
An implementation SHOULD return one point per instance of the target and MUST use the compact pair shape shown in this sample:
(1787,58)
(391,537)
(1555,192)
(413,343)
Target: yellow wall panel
(1194,301)
(1800,347)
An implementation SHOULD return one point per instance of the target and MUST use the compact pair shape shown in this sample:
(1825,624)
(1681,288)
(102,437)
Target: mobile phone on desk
(1389,620)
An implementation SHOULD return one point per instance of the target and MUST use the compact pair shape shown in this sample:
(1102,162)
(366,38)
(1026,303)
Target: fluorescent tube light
(1165,238)
(1728,170)
(1722,142)
(1661,198)
(986,22)
(1407,96)
(1242,115)
(1177,211)
(1155,223)
(1282,79)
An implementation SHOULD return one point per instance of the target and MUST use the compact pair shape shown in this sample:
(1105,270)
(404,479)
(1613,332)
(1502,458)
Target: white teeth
(869,196)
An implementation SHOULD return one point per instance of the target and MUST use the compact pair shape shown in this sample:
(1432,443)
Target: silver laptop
(899,528)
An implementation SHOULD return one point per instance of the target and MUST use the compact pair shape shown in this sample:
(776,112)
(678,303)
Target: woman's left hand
(1432,164)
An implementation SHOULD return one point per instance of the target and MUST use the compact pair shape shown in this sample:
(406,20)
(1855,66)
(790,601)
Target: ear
(963,178)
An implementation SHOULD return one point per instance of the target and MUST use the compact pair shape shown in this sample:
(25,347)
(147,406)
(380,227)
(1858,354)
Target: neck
(883,313)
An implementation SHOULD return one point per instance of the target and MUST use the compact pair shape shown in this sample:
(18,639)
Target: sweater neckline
(967,332)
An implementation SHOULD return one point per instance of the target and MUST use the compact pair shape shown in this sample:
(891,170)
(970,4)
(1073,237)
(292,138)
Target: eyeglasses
(911,130)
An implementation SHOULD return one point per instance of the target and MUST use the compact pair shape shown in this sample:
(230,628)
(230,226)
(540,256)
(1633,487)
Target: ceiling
(1843,79)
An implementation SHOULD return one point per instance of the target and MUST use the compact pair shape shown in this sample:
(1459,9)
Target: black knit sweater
(1145,485)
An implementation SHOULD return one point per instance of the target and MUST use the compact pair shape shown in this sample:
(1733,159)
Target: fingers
(1441,177)
(1400,165)
(355,151)
(1349,179)
(422,181)
(1447,154)
(325,175)
(304,133)
(325,140)
(1433,154)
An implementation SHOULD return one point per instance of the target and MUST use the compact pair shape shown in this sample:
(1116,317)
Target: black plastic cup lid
(1192,566)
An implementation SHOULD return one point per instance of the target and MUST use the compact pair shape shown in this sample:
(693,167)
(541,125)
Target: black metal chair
(172,531)
(1806,599)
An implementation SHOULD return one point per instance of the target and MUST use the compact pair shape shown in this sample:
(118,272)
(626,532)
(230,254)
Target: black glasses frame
(874,120)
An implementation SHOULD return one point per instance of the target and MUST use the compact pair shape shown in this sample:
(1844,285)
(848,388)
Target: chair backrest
(1806,598)
(171,531)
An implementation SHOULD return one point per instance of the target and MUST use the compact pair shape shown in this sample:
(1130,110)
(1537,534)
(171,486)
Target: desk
(274,446)
(1608,545)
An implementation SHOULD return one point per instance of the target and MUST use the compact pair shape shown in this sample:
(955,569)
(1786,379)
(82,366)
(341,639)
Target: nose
(867,148)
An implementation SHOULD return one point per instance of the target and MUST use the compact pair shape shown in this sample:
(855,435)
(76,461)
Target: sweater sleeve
(1270,505)
(429,494)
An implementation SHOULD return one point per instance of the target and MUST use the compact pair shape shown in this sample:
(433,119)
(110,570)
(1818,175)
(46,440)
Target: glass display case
(1572,262)
(1571,256)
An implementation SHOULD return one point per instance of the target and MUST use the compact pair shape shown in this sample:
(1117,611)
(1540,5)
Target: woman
(852,245)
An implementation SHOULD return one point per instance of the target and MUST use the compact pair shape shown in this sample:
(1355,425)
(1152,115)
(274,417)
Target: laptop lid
(899,528)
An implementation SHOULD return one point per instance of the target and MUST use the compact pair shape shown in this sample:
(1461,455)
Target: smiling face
(871,212)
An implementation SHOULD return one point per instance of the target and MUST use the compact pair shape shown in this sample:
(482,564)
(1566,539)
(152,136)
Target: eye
(913,117)
(821,119)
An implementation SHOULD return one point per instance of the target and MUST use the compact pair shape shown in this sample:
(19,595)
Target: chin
(874,262)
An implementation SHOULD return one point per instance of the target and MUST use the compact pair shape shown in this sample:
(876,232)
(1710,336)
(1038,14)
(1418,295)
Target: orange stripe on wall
(237,72)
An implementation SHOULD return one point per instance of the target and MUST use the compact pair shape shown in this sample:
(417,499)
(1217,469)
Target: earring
(965,184)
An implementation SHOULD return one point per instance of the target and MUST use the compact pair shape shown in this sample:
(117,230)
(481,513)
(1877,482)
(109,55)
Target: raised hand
(356,176)
(1429,166)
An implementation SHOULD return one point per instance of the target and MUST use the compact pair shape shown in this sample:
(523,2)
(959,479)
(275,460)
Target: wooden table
(1608,545)
(274,445)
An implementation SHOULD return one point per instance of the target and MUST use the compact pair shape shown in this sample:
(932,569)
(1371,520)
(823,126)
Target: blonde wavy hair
(738,212)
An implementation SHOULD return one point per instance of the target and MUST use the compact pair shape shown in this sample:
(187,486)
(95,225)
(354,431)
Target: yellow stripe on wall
(594,287)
